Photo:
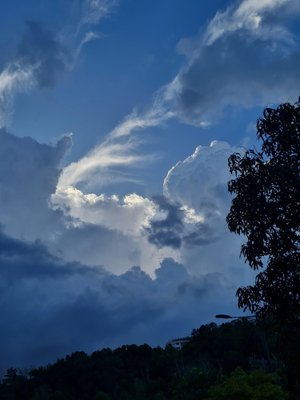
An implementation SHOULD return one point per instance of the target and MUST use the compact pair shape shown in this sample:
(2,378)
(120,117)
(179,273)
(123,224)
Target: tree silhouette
(266,209)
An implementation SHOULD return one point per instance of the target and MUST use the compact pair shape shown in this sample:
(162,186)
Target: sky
(117,118)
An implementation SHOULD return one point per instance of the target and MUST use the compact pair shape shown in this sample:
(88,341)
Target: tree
(266,209)
(257,385)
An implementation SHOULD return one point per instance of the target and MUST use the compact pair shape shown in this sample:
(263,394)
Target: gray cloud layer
(49,307)
(247,56)
(28,175)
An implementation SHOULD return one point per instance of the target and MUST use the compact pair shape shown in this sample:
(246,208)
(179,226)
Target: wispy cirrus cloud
(95,10)
(43,56)
(120,148)
(14,79)
(101,165)
(249,15)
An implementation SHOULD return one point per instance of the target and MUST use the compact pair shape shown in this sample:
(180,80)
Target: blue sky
(117,118)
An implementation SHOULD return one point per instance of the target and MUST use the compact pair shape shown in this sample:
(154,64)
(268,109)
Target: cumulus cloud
(85,227)
(128,214)
(246,57)
(199,183)
(103,225)
(50,308)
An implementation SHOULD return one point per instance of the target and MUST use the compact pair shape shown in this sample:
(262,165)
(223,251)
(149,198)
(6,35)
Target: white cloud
(82,227)
(95,10)
(98,165)
(119,149)
(13,80)
(248,15)
(128,215)
(200,181)
(108,230)
(154,116)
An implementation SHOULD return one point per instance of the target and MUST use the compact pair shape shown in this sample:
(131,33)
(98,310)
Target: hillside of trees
(232,361)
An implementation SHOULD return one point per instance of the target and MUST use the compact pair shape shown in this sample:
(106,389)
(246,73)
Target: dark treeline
(233,361)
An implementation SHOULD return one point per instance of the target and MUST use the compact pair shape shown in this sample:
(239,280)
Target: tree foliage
(266,210)
(143,373)
(257,385)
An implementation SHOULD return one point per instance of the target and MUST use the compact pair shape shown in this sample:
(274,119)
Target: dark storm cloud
(173,231)
(166,231)
(21,260)
(42,50)
(50,308)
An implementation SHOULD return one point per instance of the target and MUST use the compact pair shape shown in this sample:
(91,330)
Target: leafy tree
(266,210)
(257,385)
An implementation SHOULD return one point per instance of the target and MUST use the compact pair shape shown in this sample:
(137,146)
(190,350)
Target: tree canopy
(266,210)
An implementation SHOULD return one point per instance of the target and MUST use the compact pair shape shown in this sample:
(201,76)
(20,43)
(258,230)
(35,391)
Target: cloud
(248,15)
(42,50)
(199,184)
(43,56)
(100,166)
(14,79)
(95,10)
(103,225)
(76,226)
(190,214)
(64,307)
(39,61)
(127,215)
(246,57)
(99,300)
(200,181)
(166,231)
(119,149)
(28,176)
